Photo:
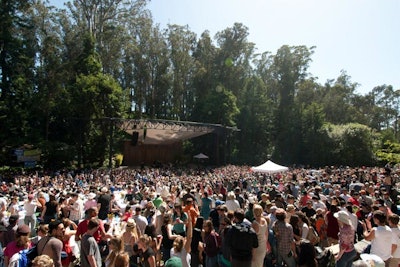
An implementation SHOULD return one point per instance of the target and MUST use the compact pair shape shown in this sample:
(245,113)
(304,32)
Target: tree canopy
(65,74)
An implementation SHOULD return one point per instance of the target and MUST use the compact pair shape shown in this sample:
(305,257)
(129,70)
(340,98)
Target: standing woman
(347,253)
(179,219)
(167,237)
(205,206)
(259,225)
(130,236)
(182,246)
(116,247)
(50,210)
(149,257)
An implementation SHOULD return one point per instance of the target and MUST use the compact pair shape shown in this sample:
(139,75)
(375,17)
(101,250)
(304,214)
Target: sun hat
(343,217)
(91,195)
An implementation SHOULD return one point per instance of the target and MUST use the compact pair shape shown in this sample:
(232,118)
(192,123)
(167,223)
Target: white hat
(104,190)
(91,195)
(343,217)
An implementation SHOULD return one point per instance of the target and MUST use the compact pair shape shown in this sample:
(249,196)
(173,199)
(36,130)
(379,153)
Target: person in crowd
(122,260)
(295,223)
(116,247)
(182,245)
(91,201)
(50,210)
(148,255)
(283,233)
(260,226)
(21,242)
(13,207)
(9,235)
(231,202)
(103,203)
(347,252)
(332,226)
(76,208)
(394,226)
(306,254)
(205,206)
(242,241)
(141,221)
(43,261)
(211,244)
(130,236)
(167,237)
(99,234)
(90,252)
(155,242)
(70,230)
(52,244)
(239,197)
(308,209)
(191,209)
(197,241)
(179,220)
(304,224)
(30,206)
(383,242)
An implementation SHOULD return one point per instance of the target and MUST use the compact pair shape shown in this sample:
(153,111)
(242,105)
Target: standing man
(76,208)
(30,207)
(241,240)
(104,203)
(52,245)
(90,252)
(283,231)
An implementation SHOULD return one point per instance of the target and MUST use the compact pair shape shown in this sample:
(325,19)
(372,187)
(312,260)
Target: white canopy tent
(269,167)
(200,156)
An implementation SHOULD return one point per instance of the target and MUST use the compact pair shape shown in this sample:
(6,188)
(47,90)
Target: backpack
(26,256)
(312,236)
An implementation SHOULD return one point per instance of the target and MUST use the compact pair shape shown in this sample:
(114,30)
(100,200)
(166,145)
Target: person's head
(91,212)
(167,219)
(280,214)
(144,242)
(294,221)
(122,260)
(42,230)
(208,226)
(13,220)
(43,261)
(238,215)
(93,224)
(199,223)
(56,229)
(22,236)
(178,243)
(303,218)
(379,217)
(257,210)
(116,244)
(150,230)
(307,255)
(393,220)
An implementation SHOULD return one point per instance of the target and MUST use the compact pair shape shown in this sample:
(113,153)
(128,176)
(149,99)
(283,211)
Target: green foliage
(67,74)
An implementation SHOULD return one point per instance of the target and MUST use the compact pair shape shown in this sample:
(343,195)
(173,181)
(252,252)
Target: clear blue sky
(361,37)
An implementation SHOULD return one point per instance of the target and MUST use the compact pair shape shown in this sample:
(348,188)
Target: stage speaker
(135,137)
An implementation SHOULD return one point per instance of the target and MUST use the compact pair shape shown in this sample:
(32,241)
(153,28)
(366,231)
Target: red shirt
(83,227)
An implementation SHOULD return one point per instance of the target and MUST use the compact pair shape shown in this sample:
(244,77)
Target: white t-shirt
(381,245)
(396,234)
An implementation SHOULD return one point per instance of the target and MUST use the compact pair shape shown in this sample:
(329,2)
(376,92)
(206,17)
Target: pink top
(12,249)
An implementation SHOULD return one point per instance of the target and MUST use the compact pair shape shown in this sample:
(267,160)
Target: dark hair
(307,255)
(93,223)
(394,219)
(150,230)
(239,215)
(199,222)
(380,216)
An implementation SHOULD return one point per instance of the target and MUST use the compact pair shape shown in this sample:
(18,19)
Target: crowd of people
(215,217)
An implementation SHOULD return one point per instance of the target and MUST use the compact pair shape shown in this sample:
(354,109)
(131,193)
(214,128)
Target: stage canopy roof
(152,132)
